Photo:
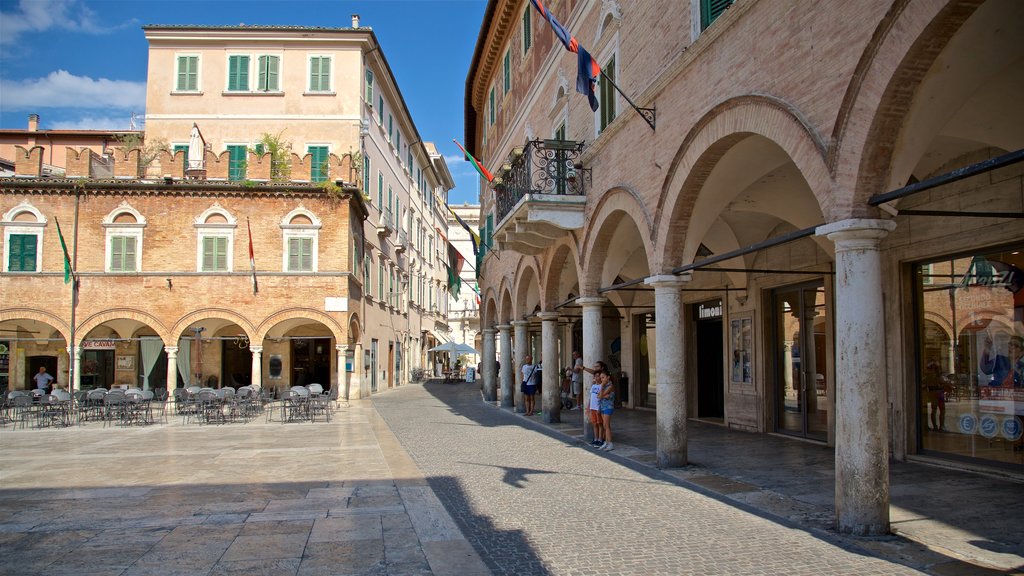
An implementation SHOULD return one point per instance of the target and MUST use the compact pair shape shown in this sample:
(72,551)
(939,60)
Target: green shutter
(23,253)
(209,250)
(318,164)
(319,74)
(269,66)
(237,156)
(369,86)
(527,33)
(491,106)
(710,10)
(300,254)
(366,175)
(215,254)
(238,73)
(188,73)
(608,94)
(380,190)
(508,70)
(122,254)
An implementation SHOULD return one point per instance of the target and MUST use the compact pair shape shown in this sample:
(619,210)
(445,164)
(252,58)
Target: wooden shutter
(238,73)
(608,94)
(188,74)
(269,66)
(527,33)
(236,162)
(215,253)
(318,163)
(710,10)
(23,253)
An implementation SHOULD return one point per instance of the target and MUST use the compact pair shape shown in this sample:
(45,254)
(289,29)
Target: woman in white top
(527,386)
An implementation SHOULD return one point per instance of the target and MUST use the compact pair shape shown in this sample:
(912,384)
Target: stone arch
(561,252)
(216,209)
(355,330)
(711,137)
(905,45)
(24,207)
(337,330)
(505,312)
(616,204)
(527,273)
(216,313)
(10,314)
(124,208)
(140,316)
(490,311)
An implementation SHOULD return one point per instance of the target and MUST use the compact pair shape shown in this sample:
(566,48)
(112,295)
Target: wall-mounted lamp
(169,284)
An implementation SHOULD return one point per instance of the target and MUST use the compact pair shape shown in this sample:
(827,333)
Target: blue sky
(82,63)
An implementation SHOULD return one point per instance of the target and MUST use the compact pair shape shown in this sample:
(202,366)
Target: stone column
(862,406)
(342,374)
(550,402)
(593,350)
(257,366)
(172,369)
(522,338)
(75,361)
(507,368)
(355,380)
(670,367)
(490,378)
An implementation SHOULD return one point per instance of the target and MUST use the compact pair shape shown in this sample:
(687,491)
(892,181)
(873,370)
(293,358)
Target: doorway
(802,399)
(373,365)
(48,362)
(311,362)
(645,387)
(236,363)
(710,356)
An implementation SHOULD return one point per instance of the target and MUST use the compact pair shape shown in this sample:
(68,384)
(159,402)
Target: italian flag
(252,259)
(476,163)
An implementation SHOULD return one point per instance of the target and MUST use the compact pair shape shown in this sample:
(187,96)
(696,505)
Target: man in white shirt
(43,379)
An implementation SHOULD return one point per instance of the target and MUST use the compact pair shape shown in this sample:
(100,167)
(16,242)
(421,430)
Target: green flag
(67,259)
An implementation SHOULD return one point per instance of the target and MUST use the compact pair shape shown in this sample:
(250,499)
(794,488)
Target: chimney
(33,122)
(355,20)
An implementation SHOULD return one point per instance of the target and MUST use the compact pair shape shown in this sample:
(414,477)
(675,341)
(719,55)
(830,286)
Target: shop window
(970,361)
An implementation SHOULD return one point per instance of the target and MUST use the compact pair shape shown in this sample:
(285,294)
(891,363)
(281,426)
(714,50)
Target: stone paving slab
(243,499)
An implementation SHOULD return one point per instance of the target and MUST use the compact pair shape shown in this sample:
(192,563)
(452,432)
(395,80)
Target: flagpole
(648,114)
(73,363)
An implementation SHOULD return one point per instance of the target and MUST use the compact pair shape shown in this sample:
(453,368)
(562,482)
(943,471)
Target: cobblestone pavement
(532,501)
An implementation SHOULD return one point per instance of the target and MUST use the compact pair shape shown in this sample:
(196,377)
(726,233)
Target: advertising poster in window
(741,342)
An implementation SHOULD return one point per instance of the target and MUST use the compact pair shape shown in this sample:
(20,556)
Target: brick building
(299,134)
(795,211)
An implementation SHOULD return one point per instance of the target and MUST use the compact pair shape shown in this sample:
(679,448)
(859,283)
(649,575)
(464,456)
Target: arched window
(301,232)
(23,238)
(215,240)
(124,226)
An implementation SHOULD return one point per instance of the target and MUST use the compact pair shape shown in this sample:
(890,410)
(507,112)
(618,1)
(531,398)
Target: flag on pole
(67,259)
(476,163)
(587,68)
(454,267)
(252,258)
(473,238)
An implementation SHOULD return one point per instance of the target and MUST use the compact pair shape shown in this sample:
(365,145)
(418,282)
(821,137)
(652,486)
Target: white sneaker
(607,447)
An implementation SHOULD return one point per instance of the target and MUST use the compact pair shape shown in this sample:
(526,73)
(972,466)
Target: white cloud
(61,89)
(43,15)
(113,122)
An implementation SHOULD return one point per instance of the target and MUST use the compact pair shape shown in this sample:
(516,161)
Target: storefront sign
(709,310)
(98,344)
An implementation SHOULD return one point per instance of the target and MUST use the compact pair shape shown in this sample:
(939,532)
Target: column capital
(860,232)
(504,327)
(520,323)
(171,349)
(548,316)
(489,331)
(667,281)
(587,301)
(341,347)
(256,349)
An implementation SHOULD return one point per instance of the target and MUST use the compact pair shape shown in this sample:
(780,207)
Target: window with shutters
(380,279)
(710,10)
(490,106)
(318,163)
(369,87)
(238,73)
(237,157)
(391,126)
(366,176)
(187,73)
(508,71)
(215,254)
(607,95)
(380,110)
(184,157)
(527,31)
(269,74)
(319,73)
(124,226)
(215,236)
(367,267)
(21,253)
(380,190)
(301,231)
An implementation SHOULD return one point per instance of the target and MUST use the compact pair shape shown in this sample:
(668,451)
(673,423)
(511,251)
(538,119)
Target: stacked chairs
(22,409)
(114,407)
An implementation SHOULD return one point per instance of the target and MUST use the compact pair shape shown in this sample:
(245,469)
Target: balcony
(384,225)
(402,243)
(540,196)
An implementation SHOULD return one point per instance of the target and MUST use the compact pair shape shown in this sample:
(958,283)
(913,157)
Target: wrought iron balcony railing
(539,167)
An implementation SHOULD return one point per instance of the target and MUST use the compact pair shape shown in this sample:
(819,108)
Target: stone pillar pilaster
(342,373)
(172,369)
(550,401)
(74,366)
(522,337)
(490,378)
(671,370)
(593,350)
(257,366)
(355,380)
(507,368)
(862,406)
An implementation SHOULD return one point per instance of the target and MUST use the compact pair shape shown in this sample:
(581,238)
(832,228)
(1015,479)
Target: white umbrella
(196,149)
(454,348)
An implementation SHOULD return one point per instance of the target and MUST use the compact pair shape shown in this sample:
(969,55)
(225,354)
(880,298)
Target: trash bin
(622,394)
